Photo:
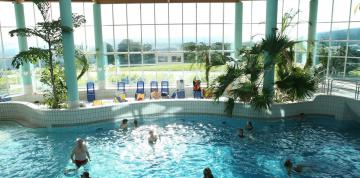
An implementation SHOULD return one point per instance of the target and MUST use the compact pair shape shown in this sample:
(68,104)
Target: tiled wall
(30,115)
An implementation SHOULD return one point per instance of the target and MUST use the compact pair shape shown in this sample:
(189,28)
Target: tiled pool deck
(31,115)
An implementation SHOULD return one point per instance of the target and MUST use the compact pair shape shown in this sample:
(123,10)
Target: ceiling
(138,1)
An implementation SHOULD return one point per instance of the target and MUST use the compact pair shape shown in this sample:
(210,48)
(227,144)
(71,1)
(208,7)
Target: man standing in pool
(80,154)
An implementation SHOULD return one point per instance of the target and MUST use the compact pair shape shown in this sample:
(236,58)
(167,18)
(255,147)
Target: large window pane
(29,17)
(147,13)
(107,32)
(203,12)
(161,13)
(175,10)
(229,14)
(7,14)
(324,11)
(189,33)
(203,34)
(106,14)
(119,14)
(79,38)
(162,37)
(133,11)
(175,37)
(88,11)
(55,10)
(247,12)
(353,67)
(217,13)
(229,36)
(189,12)
(341,10)
(134,38)
(121,38)
(259,12)
(339,31)
(90,38)
(148,32)
(216,33)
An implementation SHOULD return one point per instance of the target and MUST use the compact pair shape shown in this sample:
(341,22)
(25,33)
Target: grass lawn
(171,67)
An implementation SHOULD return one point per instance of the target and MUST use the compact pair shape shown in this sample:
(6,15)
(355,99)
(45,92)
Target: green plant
(241,81)
(202,51)
(51,32)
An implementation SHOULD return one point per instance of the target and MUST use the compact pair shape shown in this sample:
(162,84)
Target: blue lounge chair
(121,87)
(180,90)
(121,93)
(90,91)
(164,88)
(139,89)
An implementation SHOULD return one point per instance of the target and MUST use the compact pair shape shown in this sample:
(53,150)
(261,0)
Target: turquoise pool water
(188,144)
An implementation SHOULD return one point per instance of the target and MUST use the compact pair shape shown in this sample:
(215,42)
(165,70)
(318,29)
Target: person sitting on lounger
(124,124)
(80,154)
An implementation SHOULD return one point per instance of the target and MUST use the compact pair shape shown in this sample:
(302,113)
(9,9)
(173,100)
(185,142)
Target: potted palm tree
(53,75)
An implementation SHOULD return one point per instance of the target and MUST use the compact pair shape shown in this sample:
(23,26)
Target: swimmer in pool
(241,133)
(85,175)
(208,173)
(135,123)
(249,126)
(152,137)
(292,168)
(124,124)
(80,154)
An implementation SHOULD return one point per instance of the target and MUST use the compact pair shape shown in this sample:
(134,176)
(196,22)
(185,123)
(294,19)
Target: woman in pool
(207,173)
(241,133)
(80,154)
(249,126)
(124,124)
(152,137)
(291,168)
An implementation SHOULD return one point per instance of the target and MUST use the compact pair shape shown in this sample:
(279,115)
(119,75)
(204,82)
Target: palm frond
(32,55)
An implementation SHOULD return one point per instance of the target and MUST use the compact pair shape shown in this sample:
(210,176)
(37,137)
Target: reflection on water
(185,147)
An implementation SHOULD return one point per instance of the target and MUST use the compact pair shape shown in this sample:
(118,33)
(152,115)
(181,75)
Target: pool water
(187,145)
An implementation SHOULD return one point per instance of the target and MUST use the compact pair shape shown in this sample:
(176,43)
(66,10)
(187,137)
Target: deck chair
(180,90)
(154,90)
(90,91)
(121,94)
(140,91)
(197,89)
(164,89)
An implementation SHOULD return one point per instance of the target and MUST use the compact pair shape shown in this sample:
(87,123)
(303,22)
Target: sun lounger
(90,91)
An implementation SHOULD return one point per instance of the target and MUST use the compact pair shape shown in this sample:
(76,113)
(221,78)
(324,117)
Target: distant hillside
(340,34)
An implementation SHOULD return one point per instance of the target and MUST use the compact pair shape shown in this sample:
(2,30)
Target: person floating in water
(207,173)
(80,154)
(124,124)
(292,168)
(85,175)
(241,133)
(152,137)
(249,126)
